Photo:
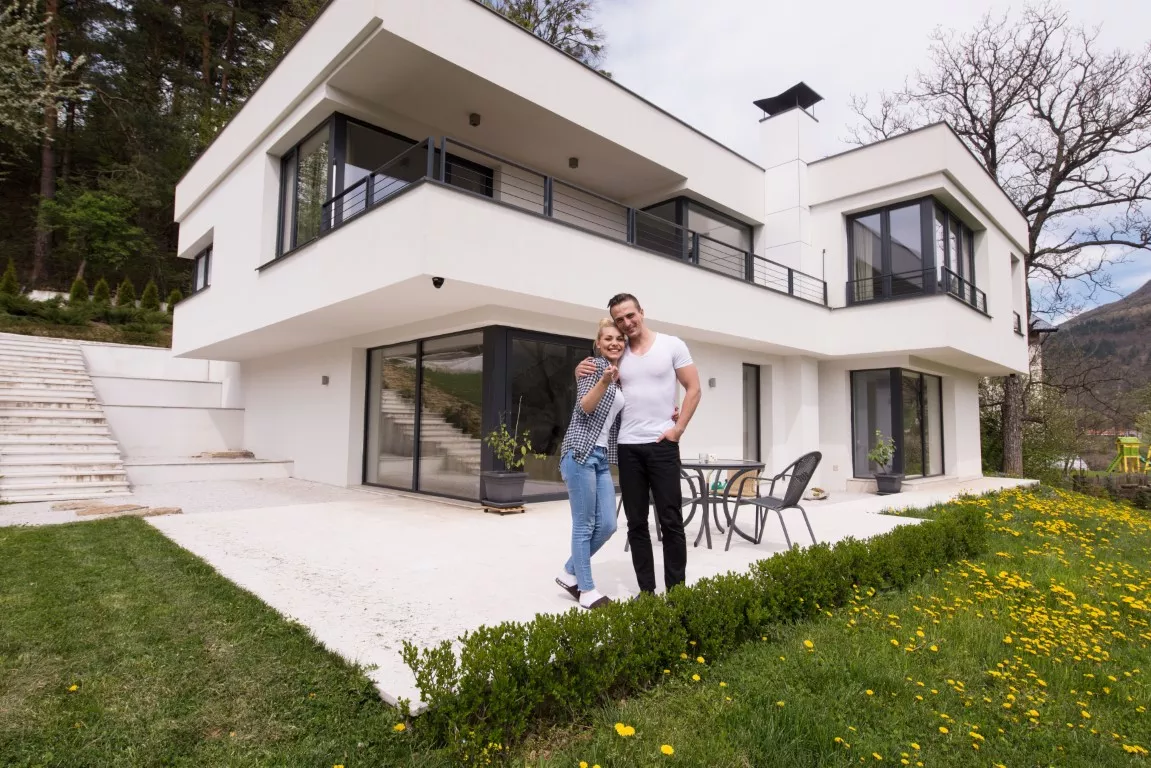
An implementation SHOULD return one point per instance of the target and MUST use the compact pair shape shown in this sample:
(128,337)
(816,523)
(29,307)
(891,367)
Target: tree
(10,284)
(126,294)
(96,226)
(566,24)
(79,292)
(1064,127)
(102,293)
(174,298)
(150,299)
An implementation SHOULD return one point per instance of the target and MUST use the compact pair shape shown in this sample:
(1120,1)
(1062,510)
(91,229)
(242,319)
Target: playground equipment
(1127,459)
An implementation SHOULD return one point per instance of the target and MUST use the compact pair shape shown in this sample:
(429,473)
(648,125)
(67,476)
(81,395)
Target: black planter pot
(886,484)
(503,488)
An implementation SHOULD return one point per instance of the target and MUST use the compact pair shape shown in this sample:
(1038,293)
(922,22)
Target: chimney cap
(799,95)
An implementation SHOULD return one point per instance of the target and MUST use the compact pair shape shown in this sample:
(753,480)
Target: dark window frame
(933,261)
(758,409)
(683,202)
(495,395)
(896,388)
(337,126)
(205,256)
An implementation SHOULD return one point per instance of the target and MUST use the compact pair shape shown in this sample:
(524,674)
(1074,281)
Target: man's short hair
(620,298)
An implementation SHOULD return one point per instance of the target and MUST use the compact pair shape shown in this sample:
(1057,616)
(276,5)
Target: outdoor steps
(55,443)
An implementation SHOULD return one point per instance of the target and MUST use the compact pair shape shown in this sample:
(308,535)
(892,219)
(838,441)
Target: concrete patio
(365,570)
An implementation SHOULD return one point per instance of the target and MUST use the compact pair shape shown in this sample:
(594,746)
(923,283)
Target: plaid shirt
(586,427)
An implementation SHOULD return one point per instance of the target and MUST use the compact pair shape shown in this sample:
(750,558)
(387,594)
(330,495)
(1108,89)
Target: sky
(705,62)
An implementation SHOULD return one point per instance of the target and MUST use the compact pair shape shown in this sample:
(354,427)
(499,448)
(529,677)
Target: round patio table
(705,497)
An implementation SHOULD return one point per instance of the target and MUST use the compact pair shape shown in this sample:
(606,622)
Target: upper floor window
(202,270)
(722,239)
(910,249)
(344,166)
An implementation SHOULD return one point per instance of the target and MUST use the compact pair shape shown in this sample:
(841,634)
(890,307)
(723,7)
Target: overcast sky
(705,62)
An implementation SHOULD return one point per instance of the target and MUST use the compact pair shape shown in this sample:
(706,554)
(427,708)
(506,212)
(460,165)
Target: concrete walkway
(365,570)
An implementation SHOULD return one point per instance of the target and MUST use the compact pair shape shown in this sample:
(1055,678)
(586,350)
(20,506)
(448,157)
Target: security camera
(438,282)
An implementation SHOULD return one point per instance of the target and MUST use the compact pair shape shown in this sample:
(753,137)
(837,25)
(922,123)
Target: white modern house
(411,228)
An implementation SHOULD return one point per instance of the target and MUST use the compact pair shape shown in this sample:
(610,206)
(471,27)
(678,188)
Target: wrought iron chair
(798,475)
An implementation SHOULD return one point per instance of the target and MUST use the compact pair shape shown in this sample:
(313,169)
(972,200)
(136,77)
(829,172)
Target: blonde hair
(605,322)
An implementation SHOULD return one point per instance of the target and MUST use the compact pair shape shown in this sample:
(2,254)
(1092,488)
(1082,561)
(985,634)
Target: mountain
(1112,341)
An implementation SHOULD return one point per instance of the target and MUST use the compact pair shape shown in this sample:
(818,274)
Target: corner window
(202,270)
(906,406)
(909,249)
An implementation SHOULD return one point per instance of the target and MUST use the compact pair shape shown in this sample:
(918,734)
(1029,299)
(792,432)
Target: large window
(323,179)
(905,406)
(722,245)
(908,250)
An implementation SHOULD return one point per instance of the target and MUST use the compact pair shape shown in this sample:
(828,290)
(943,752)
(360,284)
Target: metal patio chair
(798,475)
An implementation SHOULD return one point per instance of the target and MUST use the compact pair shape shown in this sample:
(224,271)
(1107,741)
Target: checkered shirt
(586,427)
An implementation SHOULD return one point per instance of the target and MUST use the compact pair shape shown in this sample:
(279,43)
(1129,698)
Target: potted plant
(882,454)
(505,488)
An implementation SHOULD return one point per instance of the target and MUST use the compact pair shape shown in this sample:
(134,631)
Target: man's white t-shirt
(651,386)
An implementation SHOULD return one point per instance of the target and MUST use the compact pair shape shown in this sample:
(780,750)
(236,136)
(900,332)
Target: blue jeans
(592,497)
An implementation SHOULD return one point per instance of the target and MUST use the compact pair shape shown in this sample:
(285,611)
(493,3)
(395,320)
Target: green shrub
(126,294)
(102,293)
(507,677)
(150,299)
(9,284)
(174,298)
(79,292)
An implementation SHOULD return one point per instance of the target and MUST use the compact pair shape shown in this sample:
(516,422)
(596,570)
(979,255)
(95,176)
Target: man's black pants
(653,468)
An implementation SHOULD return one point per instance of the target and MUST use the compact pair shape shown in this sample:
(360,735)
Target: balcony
(923,282)
(508,183)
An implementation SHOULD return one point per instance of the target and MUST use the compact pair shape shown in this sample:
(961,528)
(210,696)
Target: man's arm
(586,367)
(688,377)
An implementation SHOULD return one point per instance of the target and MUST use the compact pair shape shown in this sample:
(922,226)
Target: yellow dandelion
(583,764)
(73,688)
(667,671)
(869,692)
(779,703)
(695,678)
(808,644)
(934,649)
(914,745)
(723,685)
(399,727)
(877,756)
(667,750)
(699,659)
(943,729)
(683,655)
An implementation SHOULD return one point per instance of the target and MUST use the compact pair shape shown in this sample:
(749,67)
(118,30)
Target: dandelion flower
(808,644)
(695,678)
(895,642)
(869,692)
(667,750)
(583,764)
(667,671)
(914,745)
(683,655)
(723,685)
(779,703)
(399,727)
(934,649)
(877,756)
(73,688)
(943,729)
(699,659)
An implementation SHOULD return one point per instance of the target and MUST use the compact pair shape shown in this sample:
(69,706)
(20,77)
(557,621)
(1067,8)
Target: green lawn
(1036,654)
(171,663)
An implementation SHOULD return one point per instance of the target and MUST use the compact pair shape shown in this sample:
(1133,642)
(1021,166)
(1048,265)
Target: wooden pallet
(504,510)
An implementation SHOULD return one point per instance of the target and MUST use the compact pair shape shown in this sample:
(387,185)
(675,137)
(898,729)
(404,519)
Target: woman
(588,451)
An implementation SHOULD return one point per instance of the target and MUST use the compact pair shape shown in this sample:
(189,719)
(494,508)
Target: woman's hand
(610,374)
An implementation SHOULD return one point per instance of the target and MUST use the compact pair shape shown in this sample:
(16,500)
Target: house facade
(410,230)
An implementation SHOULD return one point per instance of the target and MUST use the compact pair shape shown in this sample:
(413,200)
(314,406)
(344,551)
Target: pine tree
(150,299)
(102,294)
(174,298)
(9,284)
(79,293)
(126,294)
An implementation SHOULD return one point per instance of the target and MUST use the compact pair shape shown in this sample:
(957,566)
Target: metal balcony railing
(518,186)
(919,282)
(963,290)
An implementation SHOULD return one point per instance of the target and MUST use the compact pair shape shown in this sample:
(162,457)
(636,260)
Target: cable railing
(482,173)
(963,290)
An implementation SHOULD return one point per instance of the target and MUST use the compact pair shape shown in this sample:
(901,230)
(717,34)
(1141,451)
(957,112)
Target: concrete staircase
(439,439)
(55,443)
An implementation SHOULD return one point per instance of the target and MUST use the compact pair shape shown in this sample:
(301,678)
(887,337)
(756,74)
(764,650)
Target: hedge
(509,677)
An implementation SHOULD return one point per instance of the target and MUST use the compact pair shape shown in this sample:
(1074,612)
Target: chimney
(787,136)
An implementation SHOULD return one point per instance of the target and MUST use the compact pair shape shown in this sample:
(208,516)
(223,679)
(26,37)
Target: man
(650,371)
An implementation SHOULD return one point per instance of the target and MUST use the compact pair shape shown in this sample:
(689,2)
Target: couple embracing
(624,415)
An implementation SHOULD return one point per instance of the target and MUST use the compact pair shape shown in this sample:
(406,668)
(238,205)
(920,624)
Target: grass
(112,334)
(1037,654)
(172,664)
